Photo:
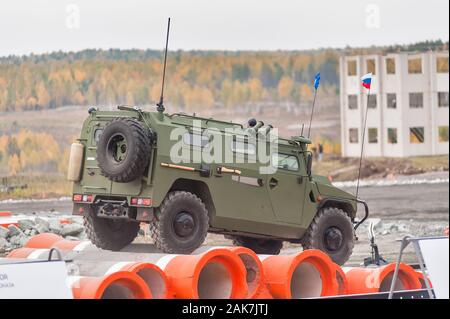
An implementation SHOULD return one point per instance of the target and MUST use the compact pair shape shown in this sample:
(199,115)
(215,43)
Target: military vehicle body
(123,175)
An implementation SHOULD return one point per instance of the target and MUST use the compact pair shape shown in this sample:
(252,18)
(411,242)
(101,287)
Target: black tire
(332,232)
(123,150)
(181,223)
(106,233)
(259,246)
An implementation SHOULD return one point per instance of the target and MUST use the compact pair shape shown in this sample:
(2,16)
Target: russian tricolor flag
(366,80)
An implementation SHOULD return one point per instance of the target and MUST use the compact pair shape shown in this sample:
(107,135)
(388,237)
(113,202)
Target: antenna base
(160,107)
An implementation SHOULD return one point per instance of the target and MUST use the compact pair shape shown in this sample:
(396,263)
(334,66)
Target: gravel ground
(410,208)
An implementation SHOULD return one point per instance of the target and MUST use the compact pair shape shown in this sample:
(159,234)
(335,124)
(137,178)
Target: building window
(392,135)
(415,100)
(443,99)
(372,101)
(443,134)
(373,135)
(351,68)
(353,102)
(353,135)
(392,101)
(415,66)
(416,135)
(390,66)
(370,65)
(442,65)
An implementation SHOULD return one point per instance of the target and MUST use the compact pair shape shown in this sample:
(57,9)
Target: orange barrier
(379,279)
(118,285)
(341,280)
(254,270)
(153,276)
(44,240)
(215,274)
(307,274)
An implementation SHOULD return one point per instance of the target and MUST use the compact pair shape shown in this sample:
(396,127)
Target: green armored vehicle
(128,169)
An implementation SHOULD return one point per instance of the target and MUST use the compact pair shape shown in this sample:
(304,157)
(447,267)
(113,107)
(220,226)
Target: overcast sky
(48,25)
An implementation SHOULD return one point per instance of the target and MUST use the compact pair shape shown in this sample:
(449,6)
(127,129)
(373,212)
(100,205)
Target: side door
(286,187)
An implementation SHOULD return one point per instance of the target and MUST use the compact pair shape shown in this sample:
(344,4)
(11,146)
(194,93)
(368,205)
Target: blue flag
(317,81)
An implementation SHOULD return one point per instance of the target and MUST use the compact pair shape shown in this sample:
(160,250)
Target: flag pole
(362,143)
(312,113)
(316,86)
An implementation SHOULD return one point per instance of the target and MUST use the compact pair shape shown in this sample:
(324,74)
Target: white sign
(34,280)
(435,255)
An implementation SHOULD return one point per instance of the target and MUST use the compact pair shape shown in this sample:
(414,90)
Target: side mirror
(309,164)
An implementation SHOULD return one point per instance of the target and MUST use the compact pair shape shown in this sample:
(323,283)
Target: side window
(285,161)
(195,140)
(97,133)
(242,147)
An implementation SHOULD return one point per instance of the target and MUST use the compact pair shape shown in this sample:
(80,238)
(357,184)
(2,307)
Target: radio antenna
(160,105)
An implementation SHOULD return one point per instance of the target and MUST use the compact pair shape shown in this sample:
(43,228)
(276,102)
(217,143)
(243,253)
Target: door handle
(273,183)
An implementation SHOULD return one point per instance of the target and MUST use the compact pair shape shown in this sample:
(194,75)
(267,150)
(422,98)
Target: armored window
(415,100)
(97,133)
(391,100)
(372,101)
(416,135)
(390,66)
(370,66)
(373,135)
(353,135)
(443,99)
(352,101)
(351,68)
(443,134)
(442,65)
(196,139)
(285,161)
(415,66)
(243,147)
(392,135)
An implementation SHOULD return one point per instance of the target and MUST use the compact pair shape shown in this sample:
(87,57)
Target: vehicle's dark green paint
(280,205)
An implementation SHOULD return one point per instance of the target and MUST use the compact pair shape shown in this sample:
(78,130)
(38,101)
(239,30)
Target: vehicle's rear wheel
(259,246)
(332,232)
(110,234)
(123,150)
(181,223)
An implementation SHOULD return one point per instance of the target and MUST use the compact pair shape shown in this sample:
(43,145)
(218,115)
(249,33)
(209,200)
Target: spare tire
(123,150)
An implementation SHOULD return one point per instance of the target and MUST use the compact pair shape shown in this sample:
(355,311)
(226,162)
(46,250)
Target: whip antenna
(160,105)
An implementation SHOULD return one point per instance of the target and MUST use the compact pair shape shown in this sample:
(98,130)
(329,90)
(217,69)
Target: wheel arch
(200,189)
(339,203)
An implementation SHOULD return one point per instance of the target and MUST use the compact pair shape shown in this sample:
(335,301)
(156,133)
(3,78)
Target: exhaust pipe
(379,279)
(304,275)
(118,285)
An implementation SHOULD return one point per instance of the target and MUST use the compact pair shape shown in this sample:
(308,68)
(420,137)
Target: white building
(408,109)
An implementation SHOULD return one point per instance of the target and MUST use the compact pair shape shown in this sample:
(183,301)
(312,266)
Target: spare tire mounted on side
(123,150)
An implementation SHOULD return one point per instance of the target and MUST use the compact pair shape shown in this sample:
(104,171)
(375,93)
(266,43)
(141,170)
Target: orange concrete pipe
(264,293)
(29,253)
(303,275)
(214,274)
(44,240)
(379,279)
(254,270)
(421,279)
(153,276)
(118,285)
(341,280)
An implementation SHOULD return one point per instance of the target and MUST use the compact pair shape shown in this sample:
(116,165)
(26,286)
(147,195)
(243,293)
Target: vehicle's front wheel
(332,232)
(110,234)
(181,223)
(259,246)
